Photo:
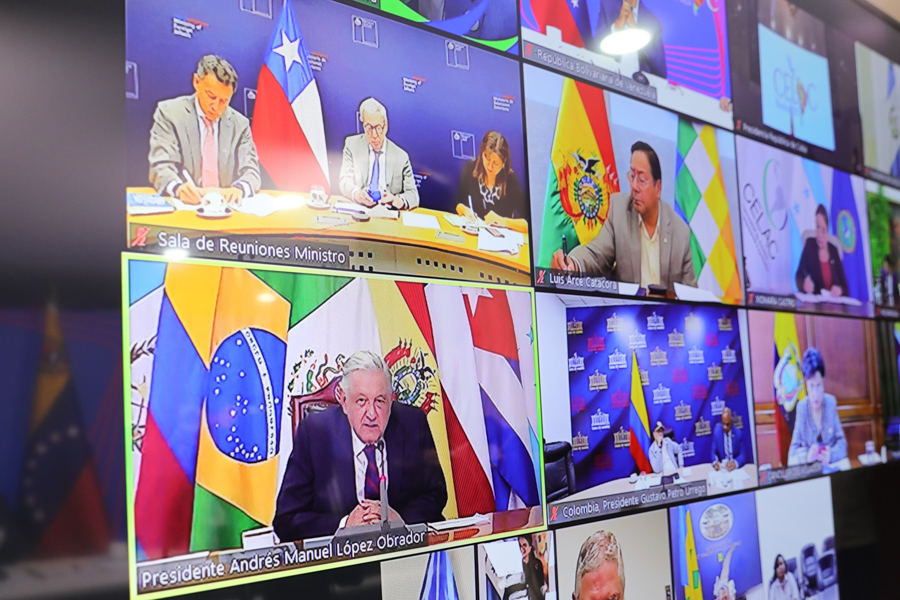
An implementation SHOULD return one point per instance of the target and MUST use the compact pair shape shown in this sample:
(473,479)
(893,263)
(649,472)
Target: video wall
(456,286)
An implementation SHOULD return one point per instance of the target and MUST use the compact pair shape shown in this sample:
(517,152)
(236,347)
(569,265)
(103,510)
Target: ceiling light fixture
(625,41)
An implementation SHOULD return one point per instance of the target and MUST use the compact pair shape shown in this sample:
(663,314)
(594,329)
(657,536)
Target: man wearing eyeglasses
(375,170)
(643,240)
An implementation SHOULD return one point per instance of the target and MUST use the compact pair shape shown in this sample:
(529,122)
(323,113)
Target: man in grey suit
(375,170)
(643,240)
(666,458)
(199,144)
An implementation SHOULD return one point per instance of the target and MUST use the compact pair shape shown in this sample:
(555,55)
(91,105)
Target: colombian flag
(639,420)
(235,348)
(583,173)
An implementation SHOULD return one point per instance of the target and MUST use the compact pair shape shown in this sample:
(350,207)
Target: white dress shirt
(649,254)
(361,463)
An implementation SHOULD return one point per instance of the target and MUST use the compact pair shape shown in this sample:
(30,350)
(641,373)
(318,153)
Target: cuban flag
(491,422)
(287,119)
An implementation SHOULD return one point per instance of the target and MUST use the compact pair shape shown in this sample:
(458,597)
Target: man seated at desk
(333,476)
(665,455)
(375,170)
(727,446)
(643,240)
(199,144)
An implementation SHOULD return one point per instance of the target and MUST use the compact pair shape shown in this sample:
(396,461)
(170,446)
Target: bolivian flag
(582,171)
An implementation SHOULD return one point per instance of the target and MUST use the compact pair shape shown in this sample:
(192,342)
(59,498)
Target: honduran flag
(288,127)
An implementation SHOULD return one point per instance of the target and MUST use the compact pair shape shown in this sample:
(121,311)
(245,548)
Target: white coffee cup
(214,202)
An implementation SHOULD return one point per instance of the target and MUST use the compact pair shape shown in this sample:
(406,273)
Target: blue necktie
(371,489)
(374,191)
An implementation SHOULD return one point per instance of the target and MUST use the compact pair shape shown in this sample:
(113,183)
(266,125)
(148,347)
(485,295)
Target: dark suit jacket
(809,265)
(319,487)
(652,57)
(718,445)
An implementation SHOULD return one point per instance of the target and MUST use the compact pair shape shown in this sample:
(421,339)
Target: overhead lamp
(625,41)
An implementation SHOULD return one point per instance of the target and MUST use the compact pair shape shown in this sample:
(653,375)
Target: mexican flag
(237,349)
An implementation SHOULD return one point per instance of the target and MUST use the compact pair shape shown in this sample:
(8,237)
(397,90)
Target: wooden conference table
(379,244)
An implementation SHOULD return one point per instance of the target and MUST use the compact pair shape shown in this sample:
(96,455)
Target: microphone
(382,486)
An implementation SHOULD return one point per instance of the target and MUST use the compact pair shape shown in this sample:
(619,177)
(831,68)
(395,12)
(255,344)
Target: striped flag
(489,426)
(690,566)
(439,583)
(583,173)
(847,228)
(788,380)
(61,508)
(288,128)
(235,347)
(700,199)
(638,420)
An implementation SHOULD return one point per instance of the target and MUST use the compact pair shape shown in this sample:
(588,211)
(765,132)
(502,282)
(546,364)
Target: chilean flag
(287,120)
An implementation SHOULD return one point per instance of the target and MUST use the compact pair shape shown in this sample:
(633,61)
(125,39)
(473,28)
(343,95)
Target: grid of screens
(411,279)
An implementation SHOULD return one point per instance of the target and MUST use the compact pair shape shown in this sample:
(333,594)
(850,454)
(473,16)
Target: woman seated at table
(820,265)
(818,435)
(489,189)
(783,585)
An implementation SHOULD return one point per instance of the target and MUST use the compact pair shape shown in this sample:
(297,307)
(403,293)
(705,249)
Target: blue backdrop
(449,98)
(679,393)
(730,522)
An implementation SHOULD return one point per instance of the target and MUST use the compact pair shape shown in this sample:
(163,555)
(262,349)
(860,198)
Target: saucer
(204,213)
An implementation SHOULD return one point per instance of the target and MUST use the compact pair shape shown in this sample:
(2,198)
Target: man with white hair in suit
(375,170)
(600,571)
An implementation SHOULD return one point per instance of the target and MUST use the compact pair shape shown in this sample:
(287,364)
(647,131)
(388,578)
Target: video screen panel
(294,419)
(795,82)
(796,540)
(816,393)
(879,103)
(715,549)
(625,557)
(493,24)
(884,240)
(520,568)
(650,405)
(804,231)
(339,138)
(685,66)
(604,170)
(446,574)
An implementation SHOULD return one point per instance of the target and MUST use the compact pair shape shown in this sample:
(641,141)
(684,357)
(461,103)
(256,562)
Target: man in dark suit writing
(727,444)
(340,455)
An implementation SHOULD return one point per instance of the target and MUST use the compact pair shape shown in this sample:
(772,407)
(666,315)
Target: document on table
(692,294)
(827,298)
(508,240)
(421,220)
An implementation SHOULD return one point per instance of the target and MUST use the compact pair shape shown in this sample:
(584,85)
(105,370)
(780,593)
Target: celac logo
(846,230)
(773,195)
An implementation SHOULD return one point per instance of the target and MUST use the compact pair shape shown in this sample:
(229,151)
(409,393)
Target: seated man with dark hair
(199,144)
(340,456)
(643,239)
(727,446)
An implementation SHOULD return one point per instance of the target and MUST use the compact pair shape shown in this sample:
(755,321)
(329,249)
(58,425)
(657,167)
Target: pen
(188,177)
(565,249)
(470,205)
